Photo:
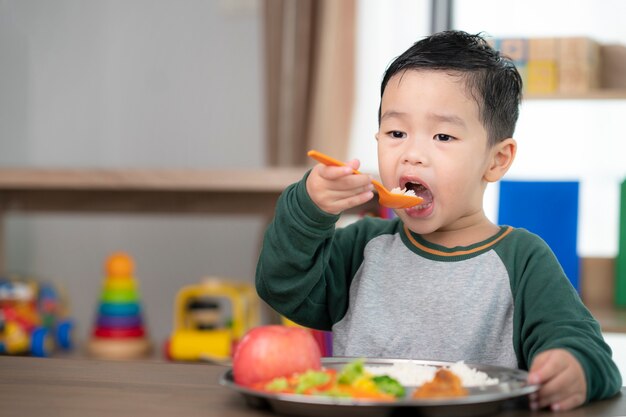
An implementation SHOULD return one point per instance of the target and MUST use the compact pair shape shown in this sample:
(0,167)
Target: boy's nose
(415,154)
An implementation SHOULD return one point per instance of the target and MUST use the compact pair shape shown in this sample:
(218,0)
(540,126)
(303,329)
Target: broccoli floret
(389,385)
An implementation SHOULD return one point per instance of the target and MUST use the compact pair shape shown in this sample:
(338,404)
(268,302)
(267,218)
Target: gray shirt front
(404,305)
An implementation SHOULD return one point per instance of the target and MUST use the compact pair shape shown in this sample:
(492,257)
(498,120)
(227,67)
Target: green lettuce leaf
(311,379)
(351,372)
(277,384)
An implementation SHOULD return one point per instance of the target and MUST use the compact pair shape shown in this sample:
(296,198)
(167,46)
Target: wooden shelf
(210,191)
(261,180)
(612,94)
(224,192)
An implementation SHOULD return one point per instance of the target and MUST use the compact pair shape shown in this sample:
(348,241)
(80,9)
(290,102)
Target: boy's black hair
(491,78)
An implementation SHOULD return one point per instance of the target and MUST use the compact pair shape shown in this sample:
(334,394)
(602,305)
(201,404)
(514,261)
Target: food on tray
(268,352)
(383,383)
(444,384)
(471,377)
(414,374)
(352,381)
(286,359)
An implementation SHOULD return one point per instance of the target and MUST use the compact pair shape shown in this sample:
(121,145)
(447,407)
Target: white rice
(404,191)
(412,374)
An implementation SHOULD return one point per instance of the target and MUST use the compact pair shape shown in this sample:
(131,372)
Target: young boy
(439,281)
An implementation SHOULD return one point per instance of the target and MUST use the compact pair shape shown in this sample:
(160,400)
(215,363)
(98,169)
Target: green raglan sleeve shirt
(549,314)
(292,269)
(385,291)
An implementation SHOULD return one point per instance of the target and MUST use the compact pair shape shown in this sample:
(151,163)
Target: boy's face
(430,134)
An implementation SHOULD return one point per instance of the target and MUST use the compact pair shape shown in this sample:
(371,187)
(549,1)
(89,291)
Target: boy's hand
(562,379)
(335,189)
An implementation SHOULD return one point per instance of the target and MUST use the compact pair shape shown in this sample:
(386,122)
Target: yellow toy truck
(210,318)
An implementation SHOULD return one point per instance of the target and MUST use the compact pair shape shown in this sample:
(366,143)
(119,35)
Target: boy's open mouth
(420,190)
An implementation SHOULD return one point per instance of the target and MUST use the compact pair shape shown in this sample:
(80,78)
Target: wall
(142,84)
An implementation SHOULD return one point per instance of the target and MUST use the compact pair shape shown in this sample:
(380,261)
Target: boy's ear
(500,159)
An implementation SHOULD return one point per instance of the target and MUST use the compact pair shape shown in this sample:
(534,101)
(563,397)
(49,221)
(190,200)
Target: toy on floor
(210,318)
(119,331)
(33,319)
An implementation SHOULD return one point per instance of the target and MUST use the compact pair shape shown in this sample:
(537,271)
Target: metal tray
(509,392)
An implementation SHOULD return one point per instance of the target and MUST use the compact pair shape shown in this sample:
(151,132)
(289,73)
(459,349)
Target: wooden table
(71,387)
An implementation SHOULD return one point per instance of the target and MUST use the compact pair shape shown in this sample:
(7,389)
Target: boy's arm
(550,315)
(294,271)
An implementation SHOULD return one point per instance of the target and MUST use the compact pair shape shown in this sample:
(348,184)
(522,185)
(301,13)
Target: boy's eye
(396,134)
(442,137)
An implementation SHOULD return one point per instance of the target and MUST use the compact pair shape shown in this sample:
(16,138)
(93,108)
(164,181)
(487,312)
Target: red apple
(268,352)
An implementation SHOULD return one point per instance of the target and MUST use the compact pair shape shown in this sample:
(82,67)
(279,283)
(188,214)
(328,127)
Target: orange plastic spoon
(385,197)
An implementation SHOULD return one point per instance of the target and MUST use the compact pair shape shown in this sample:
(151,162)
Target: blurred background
(196,84)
